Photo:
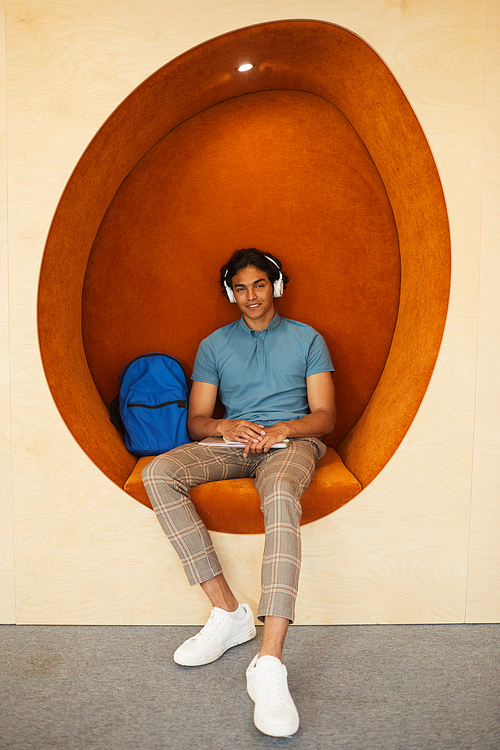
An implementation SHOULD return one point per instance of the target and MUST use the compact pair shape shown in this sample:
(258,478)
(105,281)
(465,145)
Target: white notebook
(223,443)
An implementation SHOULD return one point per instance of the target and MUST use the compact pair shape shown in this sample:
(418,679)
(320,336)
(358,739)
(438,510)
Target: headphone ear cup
(229,290)
(230,293)
(278,284)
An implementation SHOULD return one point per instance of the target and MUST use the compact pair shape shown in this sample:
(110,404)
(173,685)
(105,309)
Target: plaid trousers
(280,477)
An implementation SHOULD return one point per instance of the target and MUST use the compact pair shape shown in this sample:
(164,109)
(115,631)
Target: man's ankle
(239,613)
(270,652)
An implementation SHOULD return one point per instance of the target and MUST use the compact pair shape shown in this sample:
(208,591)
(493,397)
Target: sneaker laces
(271,687)
(210,628)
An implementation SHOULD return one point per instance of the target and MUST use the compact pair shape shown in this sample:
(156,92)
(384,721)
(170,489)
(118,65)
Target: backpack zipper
(181,404)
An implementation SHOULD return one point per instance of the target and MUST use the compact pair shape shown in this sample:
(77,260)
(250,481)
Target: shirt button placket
(260,348)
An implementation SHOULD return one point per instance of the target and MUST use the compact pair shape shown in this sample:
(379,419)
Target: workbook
(223,443)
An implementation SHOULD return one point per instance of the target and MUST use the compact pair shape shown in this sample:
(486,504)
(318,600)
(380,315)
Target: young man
(273,376)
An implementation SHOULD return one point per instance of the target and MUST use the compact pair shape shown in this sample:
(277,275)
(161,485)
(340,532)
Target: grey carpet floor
(411,687)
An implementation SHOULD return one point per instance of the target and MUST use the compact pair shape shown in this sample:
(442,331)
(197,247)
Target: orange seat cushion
(233,505)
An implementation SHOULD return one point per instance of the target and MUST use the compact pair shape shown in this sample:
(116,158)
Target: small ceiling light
(243,68)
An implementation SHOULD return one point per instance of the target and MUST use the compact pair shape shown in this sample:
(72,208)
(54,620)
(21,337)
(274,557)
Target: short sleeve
(318,358)
(205,369)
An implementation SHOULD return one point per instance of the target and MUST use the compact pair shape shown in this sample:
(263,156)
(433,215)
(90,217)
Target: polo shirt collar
(274,323)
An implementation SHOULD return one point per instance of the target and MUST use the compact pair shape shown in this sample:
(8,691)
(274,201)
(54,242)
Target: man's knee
(157,469)
(282,486)
(287,483)
(280,502)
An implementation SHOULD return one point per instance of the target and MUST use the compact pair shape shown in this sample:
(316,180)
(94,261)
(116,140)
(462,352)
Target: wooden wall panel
(400,551)
(7,593)
(483,593)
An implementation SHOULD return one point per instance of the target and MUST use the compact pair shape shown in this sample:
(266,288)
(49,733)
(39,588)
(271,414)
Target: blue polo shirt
(261,375)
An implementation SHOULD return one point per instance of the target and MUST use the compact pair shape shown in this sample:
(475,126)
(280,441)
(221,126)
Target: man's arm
(321,420)
(201,424)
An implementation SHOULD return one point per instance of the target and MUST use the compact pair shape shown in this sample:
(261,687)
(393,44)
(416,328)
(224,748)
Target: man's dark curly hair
(251,257)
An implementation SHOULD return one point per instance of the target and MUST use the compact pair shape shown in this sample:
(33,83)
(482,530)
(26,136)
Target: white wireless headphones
(277,286)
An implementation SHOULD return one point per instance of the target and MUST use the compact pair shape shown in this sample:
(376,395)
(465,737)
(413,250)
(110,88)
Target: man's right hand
(240,430)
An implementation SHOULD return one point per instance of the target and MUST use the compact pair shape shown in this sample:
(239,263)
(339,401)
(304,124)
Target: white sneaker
(221,632)
(275,712)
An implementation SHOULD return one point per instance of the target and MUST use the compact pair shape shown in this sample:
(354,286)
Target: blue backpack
(150,410)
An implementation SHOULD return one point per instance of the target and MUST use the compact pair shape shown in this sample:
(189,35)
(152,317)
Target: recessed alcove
(314,155)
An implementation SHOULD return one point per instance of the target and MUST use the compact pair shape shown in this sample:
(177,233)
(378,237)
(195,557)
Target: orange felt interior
(280,170)
(315,155)
(234,505)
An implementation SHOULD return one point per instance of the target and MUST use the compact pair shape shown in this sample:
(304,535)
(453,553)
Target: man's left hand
(274,434)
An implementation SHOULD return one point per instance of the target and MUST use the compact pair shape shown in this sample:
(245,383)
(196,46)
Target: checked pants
(280,477)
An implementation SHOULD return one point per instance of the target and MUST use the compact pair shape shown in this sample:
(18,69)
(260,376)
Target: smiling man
(273,376)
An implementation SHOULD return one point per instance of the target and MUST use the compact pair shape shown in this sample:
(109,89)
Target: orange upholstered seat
(233,505)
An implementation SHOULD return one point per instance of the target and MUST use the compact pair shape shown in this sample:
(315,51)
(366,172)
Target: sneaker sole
(274,731)
(271,729)
(243,638)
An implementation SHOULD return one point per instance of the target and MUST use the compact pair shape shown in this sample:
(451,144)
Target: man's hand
(274,434)
(240,430)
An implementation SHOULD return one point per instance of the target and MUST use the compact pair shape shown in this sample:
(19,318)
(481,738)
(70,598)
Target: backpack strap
(114,416)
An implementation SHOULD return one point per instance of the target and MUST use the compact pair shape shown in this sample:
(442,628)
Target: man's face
(254,296)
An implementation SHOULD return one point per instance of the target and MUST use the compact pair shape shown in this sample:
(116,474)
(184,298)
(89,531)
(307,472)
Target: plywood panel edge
(7,585)
(483,591)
